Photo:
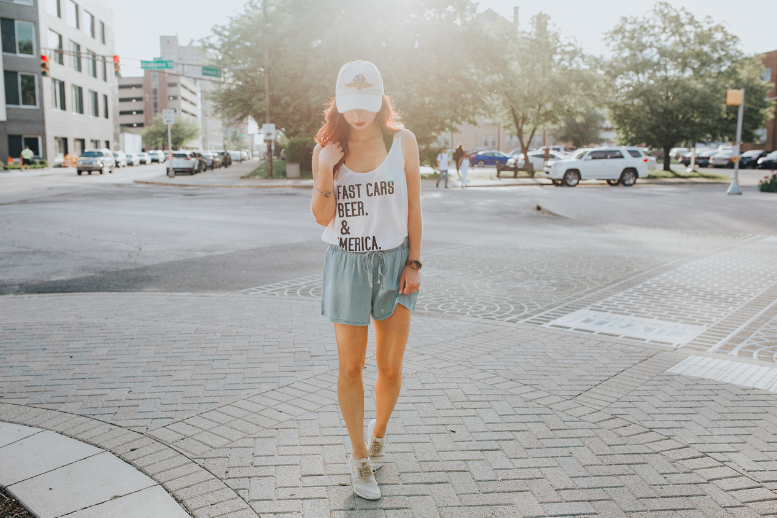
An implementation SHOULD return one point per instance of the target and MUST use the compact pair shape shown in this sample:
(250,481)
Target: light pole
(267,89)
(734,98)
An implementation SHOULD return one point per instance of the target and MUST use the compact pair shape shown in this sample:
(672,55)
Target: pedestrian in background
(458,156)
(27,155)
(442,166)
(463,171)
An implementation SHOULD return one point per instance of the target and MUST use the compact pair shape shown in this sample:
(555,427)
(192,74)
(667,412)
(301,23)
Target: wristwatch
(415,265)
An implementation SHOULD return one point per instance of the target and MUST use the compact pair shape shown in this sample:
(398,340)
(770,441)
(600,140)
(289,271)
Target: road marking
(626,326)
(737,373)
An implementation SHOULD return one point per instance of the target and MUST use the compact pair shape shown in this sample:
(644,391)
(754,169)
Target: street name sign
(157,65)
(168,116)
(211,71)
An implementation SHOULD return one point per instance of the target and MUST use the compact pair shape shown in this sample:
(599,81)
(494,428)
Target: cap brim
(371,103)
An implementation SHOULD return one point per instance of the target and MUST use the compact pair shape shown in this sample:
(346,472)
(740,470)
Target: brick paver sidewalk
(229,402)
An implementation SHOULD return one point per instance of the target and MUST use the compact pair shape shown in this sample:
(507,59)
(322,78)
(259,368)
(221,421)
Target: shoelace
(368,264)
(365,471)
(376,448)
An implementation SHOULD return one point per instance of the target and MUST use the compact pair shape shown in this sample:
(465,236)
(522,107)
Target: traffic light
(116,66)
(44,65)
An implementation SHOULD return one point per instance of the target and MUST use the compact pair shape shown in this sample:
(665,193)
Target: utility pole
(267,89)
(734,98)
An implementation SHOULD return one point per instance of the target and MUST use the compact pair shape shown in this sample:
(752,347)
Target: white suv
(616,165)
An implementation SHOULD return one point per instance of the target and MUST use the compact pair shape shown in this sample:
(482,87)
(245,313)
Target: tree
(184,130)
(535,77)
(670,73)
(417,46)
(581,130)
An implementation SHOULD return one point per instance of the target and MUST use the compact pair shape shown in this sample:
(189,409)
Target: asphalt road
(62,233)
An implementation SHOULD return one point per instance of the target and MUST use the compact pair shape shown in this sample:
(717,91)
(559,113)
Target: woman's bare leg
(390,340)
(352,351)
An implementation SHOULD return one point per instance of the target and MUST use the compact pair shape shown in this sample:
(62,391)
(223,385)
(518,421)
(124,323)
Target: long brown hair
(336,127)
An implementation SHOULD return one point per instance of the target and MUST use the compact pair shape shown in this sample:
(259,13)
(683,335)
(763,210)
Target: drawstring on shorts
(368,264)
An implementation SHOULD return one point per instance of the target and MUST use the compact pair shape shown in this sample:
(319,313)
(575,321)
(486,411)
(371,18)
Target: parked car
(617,165)
(133,159)
(158,156)
(768,162)
(722,159)
(750,158)
(702,158)
(212,160)
(537,159)
(187,162)
(244,154)
(226,158)
(484,158)
(120,158)
(675,152)
(95,160)
(237,156)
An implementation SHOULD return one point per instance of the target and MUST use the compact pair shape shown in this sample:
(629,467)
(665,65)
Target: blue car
(484,158)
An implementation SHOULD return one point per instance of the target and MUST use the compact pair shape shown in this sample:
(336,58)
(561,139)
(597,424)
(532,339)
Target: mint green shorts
(358,285)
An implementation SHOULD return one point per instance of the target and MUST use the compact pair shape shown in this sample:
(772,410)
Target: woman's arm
(411,279)
(324,160)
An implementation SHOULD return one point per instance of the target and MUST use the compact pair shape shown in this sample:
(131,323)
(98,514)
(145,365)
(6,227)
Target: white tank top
(371,211)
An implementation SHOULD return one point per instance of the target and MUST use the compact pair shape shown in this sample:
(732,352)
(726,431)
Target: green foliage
(300,151)
(670,73)
(278,171)
(768,184)
(534,76)
(419,47)
(36,164)
(184,130)
(581,130)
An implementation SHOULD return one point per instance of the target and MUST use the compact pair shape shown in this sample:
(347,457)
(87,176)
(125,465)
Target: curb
(193,486)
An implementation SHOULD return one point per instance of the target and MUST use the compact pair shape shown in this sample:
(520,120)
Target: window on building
(23,2)
(20,89)
(55,44)
(75,56)
(767,75)
(107,144)
(61,145)
(103,69)
(54,8)
(131,112)
(105,107)
(58,94)
(17,143)
(18,37)
(490,141)
(95,144)
(102,32)
(71,14)
(91,63)
(94,107)
(79,145)
(89,24)
(760,136)
(77,101)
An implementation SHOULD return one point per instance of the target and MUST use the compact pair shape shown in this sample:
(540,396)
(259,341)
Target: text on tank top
(371,208)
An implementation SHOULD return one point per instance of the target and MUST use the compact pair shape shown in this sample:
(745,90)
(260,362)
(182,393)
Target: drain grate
(727,371)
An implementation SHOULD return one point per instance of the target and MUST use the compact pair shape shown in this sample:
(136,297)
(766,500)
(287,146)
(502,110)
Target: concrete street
(599,350)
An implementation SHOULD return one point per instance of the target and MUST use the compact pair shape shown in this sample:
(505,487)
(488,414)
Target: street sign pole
(168,117)
(269,137)
(734,187)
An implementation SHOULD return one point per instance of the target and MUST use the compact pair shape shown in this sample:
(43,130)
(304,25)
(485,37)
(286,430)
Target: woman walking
(458,156)
(367,193)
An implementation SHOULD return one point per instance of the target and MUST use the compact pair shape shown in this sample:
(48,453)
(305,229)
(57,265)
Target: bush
(299,150)
(768,184)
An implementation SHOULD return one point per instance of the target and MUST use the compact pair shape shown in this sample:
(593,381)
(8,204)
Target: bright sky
(753,22)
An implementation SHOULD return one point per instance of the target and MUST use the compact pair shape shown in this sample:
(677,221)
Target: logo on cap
(359,82)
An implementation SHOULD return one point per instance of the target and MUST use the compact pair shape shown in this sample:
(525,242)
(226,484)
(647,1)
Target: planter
(292,170)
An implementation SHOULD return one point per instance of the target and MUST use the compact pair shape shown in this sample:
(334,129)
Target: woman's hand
(330,156)
(410,281)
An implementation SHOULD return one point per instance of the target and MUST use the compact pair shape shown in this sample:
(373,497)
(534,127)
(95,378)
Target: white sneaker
(363,479)
(375,447)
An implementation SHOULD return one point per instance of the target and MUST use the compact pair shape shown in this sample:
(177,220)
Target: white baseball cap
(359,87)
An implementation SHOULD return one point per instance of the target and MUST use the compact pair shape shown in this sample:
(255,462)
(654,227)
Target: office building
(74,107)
